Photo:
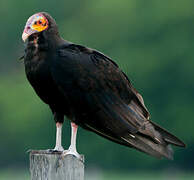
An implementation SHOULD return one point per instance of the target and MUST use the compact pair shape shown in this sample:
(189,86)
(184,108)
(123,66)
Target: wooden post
(55,166)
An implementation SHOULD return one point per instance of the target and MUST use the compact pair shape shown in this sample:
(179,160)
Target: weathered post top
(55,166)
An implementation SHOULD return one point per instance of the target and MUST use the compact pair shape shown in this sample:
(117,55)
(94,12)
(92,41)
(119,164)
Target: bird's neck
(44,41)
(53,38)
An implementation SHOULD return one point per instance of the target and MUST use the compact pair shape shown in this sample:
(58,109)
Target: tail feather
(168,137)
(127,125)
(144,144)
(138,141)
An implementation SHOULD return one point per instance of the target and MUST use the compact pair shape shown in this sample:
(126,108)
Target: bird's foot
(56,149)
(53,151)
(74,153)
(59,148)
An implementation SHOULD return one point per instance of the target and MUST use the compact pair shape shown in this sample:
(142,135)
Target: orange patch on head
(39,24)
(36,23)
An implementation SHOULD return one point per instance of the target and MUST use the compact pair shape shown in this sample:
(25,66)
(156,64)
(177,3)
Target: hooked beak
(25,36)
(27,32)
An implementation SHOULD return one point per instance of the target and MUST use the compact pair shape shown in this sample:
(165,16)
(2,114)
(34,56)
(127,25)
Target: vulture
(89,89)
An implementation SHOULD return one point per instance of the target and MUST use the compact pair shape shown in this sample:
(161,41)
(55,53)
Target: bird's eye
(35,22)
(40,22)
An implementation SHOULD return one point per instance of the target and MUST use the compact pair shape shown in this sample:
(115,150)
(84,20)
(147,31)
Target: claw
(58,148)
(53,151)
(74,153)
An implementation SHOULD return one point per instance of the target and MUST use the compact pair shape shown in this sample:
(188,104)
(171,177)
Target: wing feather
(103,100)
(93,80)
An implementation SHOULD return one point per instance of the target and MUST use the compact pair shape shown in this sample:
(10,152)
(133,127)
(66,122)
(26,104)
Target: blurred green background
(151,40)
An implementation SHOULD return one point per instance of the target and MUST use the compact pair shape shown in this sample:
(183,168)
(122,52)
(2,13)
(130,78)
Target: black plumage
(90,89)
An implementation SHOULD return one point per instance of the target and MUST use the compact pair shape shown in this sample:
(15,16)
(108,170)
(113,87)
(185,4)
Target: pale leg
(72,149)
(58,146)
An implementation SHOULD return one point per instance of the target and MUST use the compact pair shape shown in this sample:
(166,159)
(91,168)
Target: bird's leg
(72,149)
(73,137)
(58,146)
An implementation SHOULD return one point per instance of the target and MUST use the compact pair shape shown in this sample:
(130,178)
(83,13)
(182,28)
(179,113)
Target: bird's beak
(27,32)
(25,36)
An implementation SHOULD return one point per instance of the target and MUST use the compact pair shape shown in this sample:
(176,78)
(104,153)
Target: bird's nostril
(28,27)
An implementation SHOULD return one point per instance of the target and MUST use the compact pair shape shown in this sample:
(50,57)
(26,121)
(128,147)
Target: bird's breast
(37,68)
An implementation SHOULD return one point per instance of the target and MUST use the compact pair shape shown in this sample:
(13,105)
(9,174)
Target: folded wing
(103,100)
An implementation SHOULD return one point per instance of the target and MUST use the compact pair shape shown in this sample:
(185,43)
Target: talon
(74,153)
(54,151)
(60,149)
